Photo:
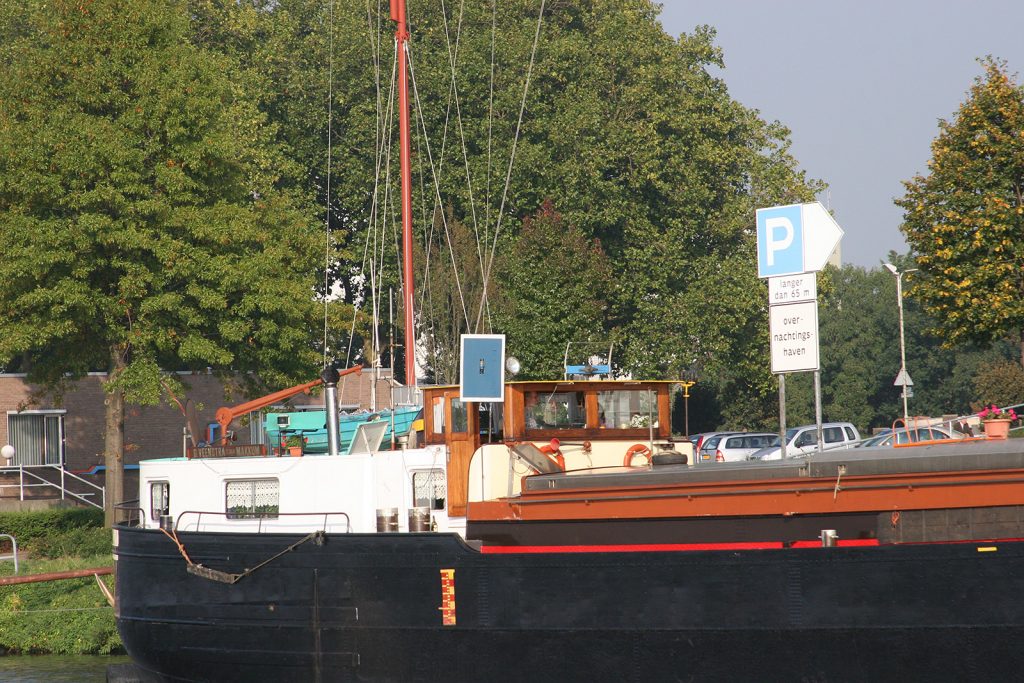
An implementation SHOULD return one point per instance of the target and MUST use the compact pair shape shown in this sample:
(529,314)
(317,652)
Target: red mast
(402,39)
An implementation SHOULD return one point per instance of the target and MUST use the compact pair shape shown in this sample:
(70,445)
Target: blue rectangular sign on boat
(482,368)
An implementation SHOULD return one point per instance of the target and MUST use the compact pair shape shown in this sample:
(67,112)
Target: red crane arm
(226,414)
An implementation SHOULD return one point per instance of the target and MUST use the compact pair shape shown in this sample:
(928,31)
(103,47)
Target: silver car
(736,447)
(704,449)
(903,436)
(804,439)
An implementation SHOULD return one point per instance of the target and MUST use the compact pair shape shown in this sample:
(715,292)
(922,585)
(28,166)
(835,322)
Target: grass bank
(69,616)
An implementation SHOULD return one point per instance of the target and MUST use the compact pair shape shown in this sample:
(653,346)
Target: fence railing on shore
(32,477)
(13,555)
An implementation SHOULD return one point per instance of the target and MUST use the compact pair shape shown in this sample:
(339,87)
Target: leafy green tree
(860,357)
(450,292)
(623,128)
(1001,384)
(964,220)
(552,282)
(141,213)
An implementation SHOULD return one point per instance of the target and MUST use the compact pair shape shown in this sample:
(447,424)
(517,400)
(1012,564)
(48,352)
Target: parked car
(736,447)
(703,449)
(804,439)
(902,436)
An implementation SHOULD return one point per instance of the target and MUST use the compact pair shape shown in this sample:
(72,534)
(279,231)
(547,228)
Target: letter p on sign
(780,243)
(774,245)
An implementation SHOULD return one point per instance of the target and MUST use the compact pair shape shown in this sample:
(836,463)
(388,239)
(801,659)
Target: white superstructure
(341,493)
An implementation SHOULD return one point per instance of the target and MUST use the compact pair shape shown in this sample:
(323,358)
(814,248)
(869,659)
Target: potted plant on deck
(996,421)
(294,443)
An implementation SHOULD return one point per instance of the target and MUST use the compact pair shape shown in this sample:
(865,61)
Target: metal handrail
(133,507)
(62,487)
(14,554)
(262,516)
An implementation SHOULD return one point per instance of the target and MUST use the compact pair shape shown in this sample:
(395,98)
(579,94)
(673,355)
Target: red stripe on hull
(663,547)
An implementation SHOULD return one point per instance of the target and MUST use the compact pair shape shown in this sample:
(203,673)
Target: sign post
(793,243)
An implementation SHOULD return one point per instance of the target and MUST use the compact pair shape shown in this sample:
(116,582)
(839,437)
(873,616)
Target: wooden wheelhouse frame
(462,442)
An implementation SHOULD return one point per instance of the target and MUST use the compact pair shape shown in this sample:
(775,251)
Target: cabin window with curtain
(555,410)
(252,498)
(429,489)
(627,409)
(159,500)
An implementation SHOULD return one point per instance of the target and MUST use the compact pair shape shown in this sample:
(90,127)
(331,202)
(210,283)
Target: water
(55,669)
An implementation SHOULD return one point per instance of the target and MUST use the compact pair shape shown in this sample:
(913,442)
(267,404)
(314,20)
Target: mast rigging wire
(437,186)
(384,142)
(511,159)
(453,95)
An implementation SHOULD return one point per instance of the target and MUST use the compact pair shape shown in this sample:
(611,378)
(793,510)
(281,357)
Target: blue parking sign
(780,241)
(482,368)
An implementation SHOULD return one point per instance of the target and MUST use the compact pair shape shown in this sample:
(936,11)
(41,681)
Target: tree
(449,296)
(965,219)
(140,211)
(552,282)
(1000,384)
(859,332)
(624,128)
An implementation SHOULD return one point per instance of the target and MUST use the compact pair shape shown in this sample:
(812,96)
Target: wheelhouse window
(625,409)
(492,422)
(459,420)
(429,489)
(252,498)
(437,412)
(555,410)
(159,500)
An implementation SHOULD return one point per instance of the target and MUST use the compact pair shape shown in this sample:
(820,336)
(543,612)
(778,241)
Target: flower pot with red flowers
(996,421)
(295,444)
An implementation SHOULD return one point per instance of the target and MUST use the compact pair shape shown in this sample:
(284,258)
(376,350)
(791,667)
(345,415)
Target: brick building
(70,432)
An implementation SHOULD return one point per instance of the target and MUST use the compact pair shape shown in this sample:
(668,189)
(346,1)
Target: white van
(801,440)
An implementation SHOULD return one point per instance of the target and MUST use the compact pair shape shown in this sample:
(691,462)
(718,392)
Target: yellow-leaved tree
(964,220)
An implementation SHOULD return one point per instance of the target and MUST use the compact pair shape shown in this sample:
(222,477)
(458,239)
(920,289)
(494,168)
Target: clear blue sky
(861,85)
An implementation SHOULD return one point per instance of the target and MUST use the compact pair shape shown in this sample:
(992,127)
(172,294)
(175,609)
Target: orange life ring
(633,450)
(553,451)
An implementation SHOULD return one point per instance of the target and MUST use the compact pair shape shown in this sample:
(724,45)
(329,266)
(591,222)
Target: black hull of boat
(367,607)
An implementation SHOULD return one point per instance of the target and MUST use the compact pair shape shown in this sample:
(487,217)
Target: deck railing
(31,477)
(261,517)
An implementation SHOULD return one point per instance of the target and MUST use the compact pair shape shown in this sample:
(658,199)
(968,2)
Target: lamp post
(903,349)
(686,384)
(688,378)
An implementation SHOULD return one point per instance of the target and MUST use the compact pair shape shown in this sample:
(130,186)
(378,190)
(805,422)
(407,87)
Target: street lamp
(686,384)
(688,379)
(903,350)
